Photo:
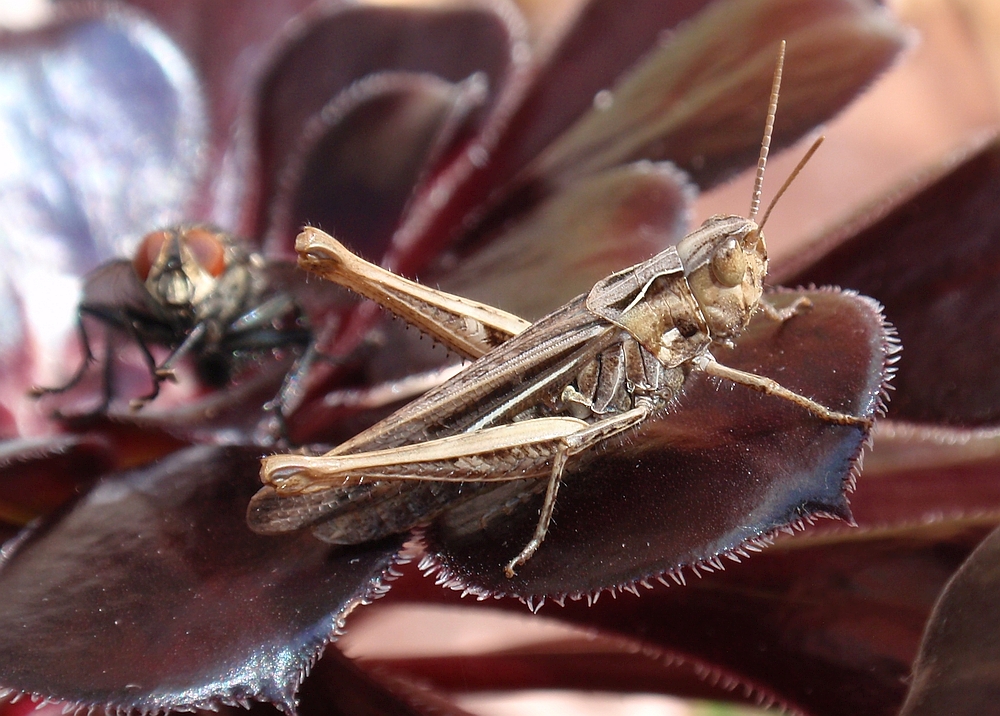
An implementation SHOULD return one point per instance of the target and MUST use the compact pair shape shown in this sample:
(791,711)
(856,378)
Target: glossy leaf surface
(614,219)
(956,670)
(102,122)
(151,593)
(932,259)
(721,468)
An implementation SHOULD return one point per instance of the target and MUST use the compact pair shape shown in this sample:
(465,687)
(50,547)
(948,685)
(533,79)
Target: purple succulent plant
(450,143)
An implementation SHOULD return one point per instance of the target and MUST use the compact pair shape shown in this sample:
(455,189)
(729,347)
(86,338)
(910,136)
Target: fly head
(194,272)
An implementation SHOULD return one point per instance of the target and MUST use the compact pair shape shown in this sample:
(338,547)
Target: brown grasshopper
(537,396)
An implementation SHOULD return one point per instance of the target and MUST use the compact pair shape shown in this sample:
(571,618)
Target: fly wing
(113,290)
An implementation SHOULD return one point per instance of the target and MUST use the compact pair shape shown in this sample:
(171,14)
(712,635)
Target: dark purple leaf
(933,260)
(699,101)
(827,625)
(564,245)
(718,471)
(604,40)
(37,475)
(151,593)
(361,156)
(338,685)
(342,44)
(228,44)
(913,483)
(831,626)
(595,662)
(956,670)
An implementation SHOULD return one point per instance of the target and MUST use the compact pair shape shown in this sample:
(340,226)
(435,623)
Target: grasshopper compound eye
(729,263)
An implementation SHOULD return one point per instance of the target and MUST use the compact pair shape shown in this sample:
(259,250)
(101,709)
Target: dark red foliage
(438,141)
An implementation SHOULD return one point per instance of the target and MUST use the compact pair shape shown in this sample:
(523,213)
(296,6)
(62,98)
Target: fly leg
(88,358)
(290,393)
(276,323)
(164,371)
(574,445)
(107,376)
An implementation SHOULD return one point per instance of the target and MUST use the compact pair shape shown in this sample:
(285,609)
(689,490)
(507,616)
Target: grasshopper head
(725,262)
(182,267)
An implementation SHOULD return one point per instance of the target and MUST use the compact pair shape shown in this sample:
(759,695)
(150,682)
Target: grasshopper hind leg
(573,445)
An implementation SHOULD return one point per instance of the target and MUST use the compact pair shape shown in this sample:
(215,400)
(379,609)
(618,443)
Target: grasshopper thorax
(187,270)
(725,262)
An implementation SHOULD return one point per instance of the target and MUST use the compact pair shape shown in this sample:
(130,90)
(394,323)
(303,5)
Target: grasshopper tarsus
(780,315)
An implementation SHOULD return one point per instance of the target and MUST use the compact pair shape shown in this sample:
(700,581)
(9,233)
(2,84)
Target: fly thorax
(725,263)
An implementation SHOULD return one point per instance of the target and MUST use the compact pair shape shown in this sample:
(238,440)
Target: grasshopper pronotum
(537,395)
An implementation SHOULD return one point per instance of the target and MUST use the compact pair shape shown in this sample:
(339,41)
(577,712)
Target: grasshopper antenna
(765,143)
(791,177)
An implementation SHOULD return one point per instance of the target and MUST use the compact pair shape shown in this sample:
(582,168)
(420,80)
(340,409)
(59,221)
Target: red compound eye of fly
(148,252)
(207,249)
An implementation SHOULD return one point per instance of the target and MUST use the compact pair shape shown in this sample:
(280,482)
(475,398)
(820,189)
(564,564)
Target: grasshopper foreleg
(708,365)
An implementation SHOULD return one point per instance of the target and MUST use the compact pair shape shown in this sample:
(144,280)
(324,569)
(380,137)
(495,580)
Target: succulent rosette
(459,144)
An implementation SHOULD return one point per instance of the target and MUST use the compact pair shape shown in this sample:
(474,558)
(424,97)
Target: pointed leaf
(360,157)
(40,474)
(933,259)
(956,671)
(605,39)
(228,44)
(721,469)
(918,474)
(700,99)
(335,47)
(152,594)
(593,227)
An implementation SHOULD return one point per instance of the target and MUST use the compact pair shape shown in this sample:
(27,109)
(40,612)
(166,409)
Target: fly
(194,291)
